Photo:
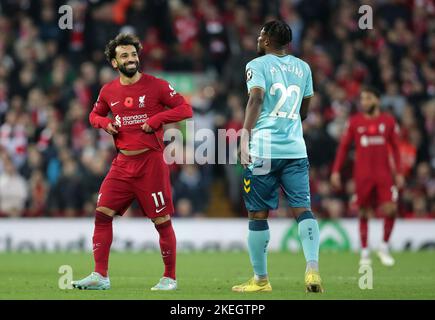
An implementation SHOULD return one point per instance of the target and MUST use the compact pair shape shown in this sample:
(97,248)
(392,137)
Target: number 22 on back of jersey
(286,93)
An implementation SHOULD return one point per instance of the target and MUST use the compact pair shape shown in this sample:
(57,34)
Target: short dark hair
(122,39)
(371,89)
(279,32)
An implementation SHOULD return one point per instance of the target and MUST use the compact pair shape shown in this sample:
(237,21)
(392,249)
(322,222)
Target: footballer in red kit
(140,104)
(374,134)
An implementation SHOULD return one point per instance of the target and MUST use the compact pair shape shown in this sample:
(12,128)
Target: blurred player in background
(138,104)
(374,134)
(280,87)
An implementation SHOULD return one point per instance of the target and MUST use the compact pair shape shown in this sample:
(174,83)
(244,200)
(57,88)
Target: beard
(260,51)
(129,72)
(371,109)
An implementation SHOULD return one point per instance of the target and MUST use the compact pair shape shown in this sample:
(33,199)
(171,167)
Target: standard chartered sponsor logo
(370,141)
(135,119)
(118,120)
(332,237)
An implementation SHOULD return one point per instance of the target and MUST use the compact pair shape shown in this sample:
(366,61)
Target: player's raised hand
(111,129)
(146,127)
(336,180)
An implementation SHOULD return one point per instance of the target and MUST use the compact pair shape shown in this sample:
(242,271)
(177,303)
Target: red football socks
(168,246)
(388,227)
(102,240)
(363,231)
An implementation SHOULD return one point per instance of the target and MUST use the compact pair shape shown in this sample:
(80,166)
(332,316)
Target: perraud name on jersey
(288,68)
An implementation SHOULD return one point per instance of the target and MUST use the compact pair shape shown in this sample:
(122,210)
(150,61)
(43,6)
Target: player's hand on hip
(146,127)
(111,129)
(400,181)
(336,180)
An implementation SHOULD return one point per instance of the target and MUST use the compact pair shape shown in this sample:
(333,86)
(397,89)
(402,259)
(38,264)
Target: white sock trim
(258,278)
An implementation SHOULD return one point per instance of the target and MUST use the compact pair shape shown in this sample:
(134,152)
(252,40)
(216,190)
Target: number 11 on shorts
(156,200)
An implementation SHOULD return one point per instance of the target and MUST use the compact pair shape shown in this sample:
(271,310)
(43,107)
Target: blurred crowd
(52,162)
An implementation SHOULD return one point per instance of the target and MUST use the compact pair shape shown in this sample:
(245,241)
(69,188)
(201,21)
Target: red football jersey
(373,138)
(133,105)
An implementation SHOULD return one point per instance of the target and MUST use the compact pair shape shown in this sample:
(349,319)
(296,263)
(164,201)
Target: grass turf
(210,276)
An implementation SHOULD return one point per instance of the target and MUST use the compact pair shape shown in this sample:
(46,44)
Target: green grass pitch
(210,276)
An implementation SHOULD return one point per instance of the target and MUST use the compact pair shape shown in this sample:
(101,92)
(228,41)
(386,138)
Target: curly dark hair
(122,39)
(279,32)
(371,89)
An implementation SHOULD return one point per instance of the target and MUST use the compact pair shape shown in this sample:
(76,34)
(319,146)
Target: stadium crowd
(52,162)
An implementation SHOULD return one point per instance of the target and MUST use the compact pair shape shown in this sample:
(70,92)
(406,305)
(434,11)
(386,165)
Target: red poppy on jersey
(128,102)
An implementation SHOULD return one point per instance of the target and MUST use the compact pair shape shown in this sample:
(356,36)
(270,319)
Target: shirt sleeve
(309,92)
(395,145)
(343,148)
(179,108)
(98,116)
(169,97)
(255,76)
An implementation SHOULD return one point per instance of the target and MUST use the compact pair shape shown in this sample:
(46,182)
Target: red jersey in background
(374,138)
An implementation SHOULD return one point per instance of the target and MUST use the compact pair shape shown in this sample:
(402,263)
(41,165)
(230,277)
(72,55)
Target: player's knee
(105,210)
(296,212)
(390,209)
(258,215)
(364,214)
(160,220)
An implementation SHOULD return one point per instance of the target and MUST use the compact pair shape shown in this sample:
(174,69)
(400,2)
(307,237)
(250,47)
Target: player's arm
(304,108)
(256,85)
(253,110)
(394,142)
(98,116)
(308,94)
(178,110)
(340,157)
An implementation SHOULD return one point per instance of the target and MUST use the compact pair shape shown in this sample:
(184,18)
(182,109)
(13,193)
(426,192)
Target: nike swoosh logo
(114,103)
(158,210)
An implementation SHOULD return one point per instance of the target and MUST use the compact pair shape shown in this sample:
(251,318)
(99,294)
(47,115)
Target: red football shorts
(144,177)
(372,193)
